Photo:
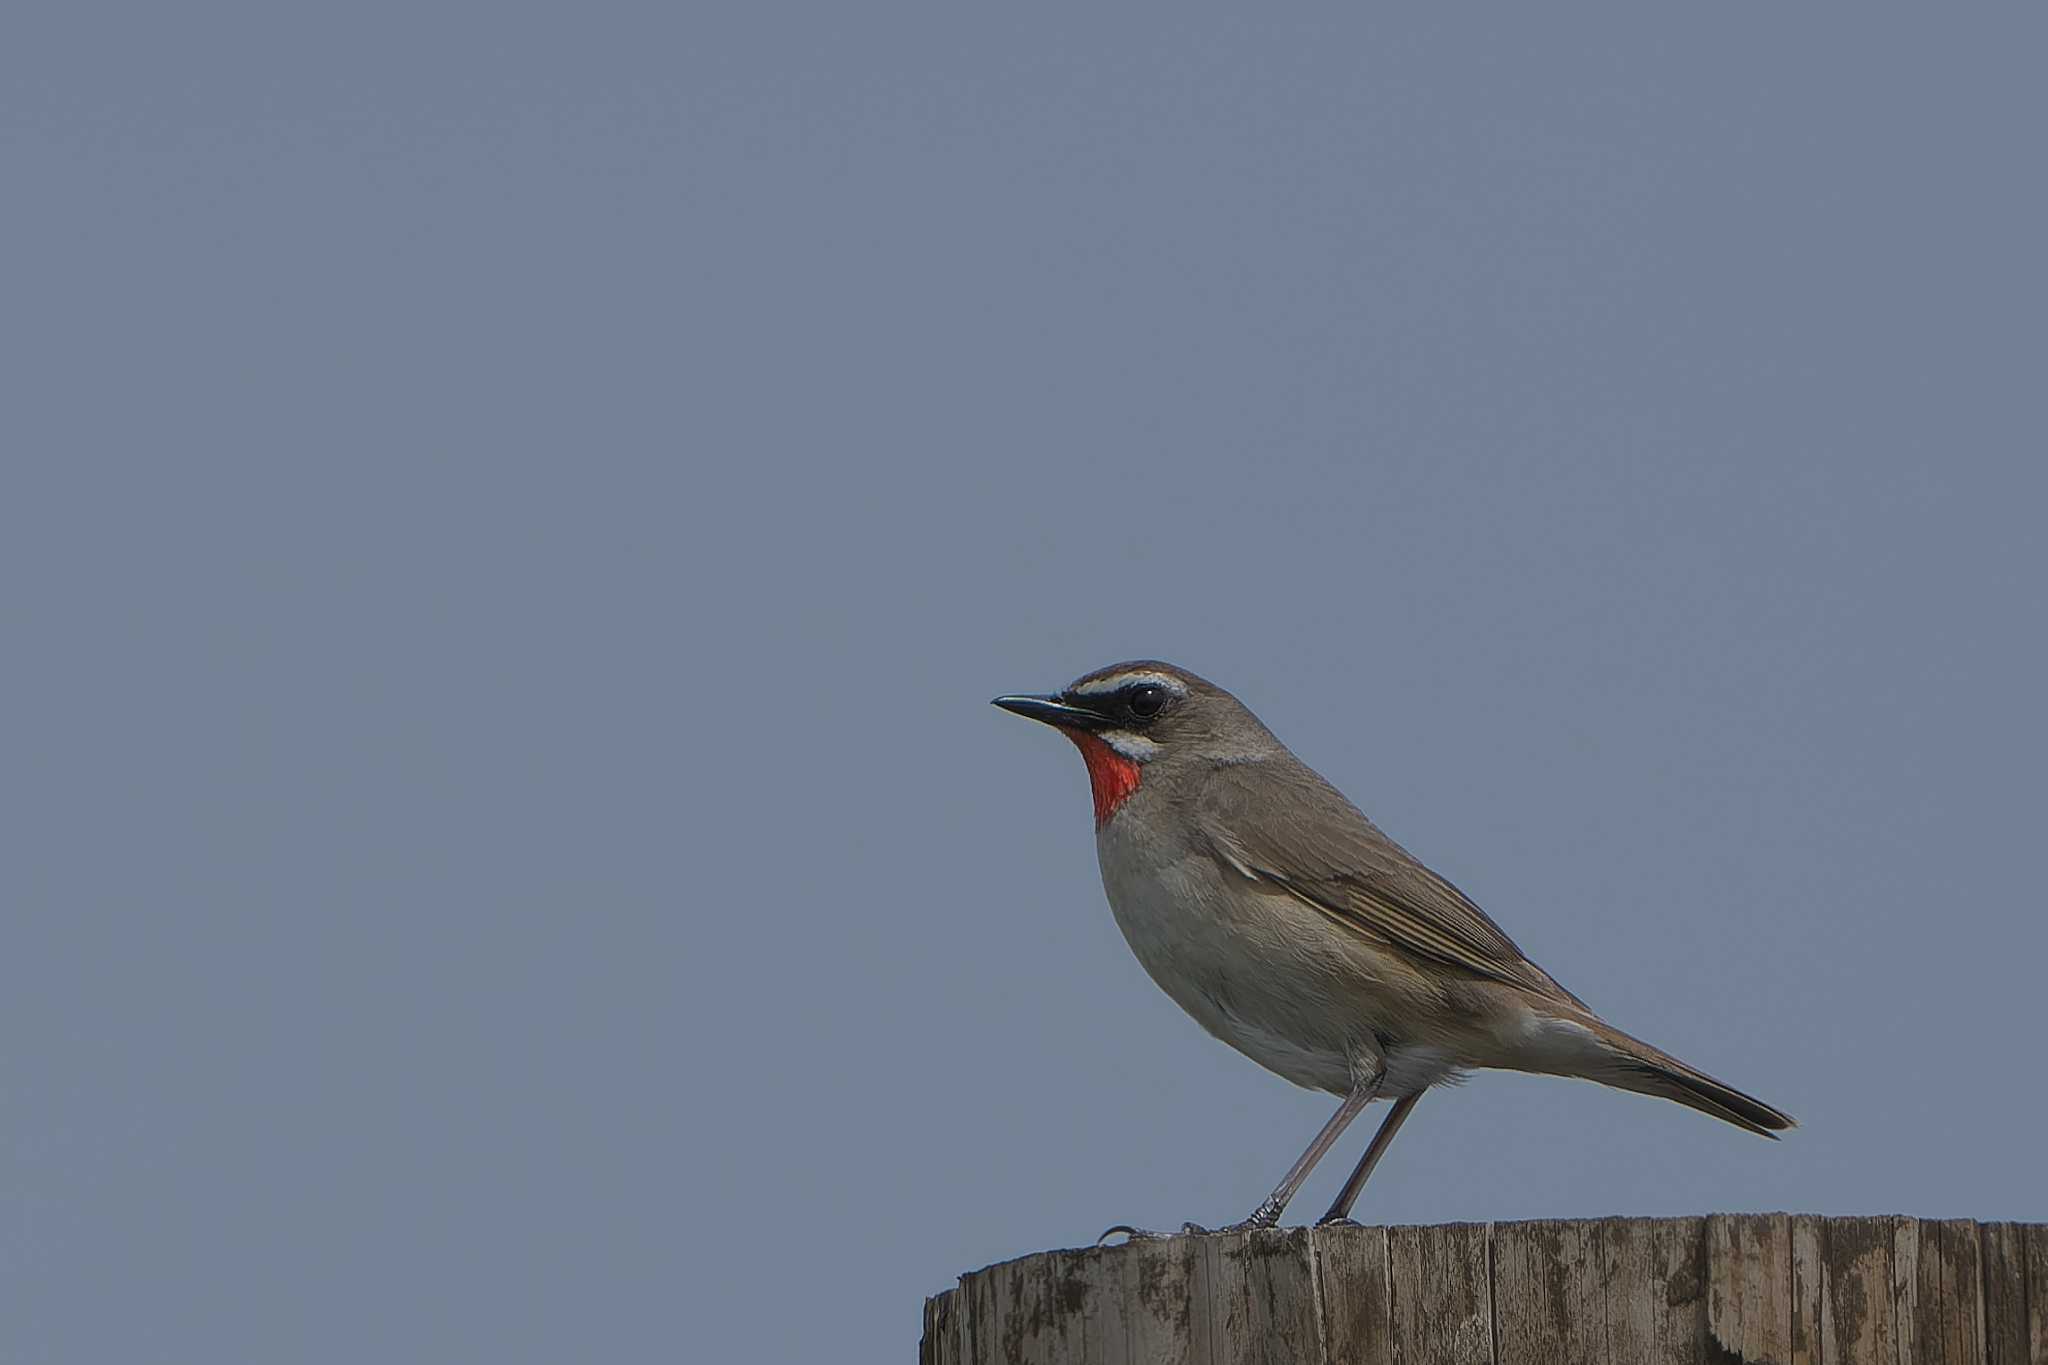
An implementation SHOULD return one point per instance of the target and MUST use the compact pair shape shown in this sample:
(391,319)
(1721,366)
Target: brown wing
(1322,850)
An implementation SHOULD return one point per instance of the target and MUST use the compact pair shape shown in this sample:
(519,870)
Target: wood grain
(1779,1288)
(1749,1285)
(2036,1238)
(1442,1294)
(1548,1299)
(1355,1291)
(1856,1290)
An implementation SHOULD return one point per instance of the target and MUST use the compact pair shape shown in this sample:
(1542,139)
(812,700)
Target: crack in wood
(1729,1289)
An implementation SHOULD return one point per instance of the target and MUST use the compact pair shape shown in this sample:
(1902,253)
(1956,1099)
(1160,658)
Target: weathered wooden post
(1785,1288)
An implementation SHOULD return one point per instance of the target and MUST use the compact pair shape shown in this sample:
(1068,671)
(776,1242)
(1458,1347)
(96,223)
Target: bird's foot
(1338,1220)
(1130,1234)
(1247,1225)
(1266,1215)
(1260,1220)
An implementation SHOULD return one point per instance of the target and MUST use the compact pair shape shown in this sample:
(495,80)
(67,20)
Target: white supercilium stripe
(1116,682)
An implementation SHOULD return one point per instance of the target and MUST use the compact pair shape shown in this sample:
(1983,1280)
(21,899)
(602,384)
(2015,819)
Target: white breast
(1241,975)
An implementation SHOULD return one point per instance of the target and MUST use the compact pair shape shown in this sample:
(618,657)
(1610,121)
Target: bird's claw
(1254,1224)
(1145,1235)
(1136,1234)
(1131,1234)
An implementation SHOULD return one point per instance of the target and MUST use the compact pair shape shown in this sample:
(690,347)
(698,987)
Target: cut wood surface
(1790,1289)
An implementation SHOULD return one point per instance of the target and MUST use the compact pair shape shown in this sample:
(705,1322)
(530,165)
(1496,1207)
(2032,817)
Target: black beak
(1052,711)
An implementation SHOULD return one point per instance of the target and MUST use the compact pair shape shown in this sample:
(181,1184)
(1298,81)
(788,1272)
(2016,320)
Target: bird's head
(1131,717)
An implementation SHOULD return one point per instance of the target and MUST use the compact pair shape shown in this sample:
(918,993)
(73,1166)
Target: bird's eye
(1145,700)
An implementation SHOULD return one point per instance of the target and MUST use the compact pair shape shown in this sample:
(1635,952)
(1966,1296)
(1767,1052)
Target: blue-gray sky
(513,515)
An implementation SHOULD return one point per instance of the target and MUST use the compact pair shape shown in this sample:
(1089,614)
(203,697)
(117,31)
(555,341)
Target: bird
(1274,912)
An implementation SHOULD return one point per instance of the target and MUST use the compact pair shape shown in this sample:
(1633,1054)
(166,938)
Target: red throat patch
(1111,777)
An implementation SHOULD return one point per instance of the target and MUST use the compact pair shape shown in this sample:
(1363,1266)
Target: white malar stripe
(1136,748)
(1116,682)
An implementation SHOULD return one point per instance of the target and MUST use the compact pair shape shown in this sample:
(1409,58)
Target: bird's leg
(1340,1208)
(1268,1212)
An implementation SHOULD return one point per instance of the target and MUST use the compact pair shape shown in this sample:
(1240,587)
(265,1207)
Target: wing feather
(1324,852)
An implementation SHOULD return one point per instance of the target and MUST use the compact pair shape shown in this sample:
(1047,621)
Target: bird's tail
(1632,1064)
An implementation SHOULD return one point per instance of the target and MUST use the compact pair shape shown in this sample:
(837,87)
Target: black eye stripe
(1142,699)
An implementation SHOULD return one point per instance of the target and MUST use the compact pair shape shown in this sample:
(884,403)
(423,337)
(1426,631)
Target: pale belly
(1264,975)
